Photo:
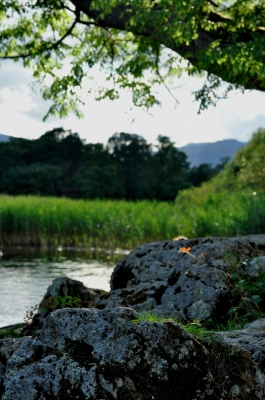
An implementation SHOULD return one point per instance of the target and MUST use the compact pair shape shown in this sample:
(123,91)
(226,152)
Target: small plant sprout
(54,303)
(249,289)
(201,257)
(57,302)
(194,327)
(30,314)
(186,250)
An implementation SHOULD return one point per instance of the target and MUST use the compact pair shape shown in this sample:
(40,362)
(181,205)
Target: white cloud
(22,110)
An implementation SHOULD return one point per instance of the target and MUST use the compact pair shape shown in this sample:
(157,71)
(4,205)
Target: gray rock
(252,340)
(199,310)
(7,348)
(92,354)
(258,324)
(256,266)
(65,286)
(62,287)
(157,277)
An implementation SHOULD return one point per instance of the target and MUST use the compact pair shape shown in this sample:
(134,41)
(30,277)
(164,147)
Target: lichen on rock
(101,354)
(100,350)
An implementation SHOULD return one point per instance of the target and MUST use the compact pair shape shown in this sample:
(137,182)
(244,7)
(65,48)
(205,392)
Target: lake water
(25,275)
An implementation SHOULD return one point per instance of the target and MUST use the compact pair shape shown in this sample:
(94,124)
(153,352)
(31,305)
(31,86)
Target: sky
(22,110)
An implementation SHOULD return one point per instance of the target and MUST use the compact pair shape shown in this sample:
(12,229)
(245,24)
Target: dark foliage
(59,163)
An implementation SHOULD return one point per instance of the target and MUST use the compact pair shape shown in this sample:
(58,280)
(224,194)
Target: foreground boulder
(159,278)
(92,354)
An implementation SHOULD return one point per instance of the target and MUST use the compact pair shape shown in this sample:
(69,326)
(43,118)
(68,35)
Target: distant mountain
(4,138)
(211,153)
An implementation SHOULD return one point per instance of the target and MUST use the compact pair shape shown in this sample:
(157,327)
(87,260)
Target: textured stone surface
(92,354)
(159,278)
(258,324)
(256,266)
(62,286)
(7,348)
(100,354)
(251,339)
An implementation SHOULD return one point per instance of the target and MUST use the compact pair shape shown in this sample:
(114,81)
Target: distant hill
(4,138)
(211,153)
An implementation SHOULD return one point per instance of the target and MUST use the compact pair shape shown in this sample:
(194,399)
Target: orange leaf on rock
(185,248)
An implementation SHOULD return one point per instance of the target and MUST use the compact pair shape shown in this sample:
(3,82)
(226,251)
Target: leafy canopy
(138,43)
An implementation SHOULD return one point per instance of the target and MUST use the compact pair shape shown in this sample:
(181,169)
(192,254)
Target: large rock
(159,278)
(92,354)
(63,292)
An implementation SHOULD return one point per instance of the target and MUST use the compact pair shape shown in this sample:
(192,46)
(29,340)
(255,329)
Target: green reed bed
(35,221)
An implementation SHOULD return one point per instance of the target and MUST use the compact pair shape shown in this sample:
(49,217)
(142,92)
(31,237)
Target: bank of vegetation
(35,221)
(231,203)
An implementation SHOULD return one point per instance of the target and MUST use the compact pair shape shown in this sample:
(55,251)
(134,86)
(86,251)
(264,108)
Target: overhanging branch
(50,46)
(119,16)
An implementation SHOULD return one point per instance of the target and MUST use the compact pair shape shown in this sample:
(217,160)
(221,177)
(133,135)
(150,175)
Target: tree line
(60,164)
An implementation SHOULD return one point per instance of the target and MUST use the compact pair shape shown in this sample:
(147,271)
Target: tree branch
(118,19)
(52,45)
(163,80)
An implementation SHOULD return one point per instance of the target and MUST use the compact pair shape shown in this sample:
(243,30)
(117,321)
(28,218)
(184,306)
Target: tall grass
(35,221)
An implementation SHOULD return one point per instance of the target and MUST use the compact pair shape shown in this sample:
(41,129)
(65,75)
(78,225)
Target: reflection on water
(25,275)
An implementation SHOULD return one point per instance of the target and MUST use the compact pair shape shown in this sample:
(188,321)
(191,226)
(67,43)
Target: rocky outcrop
(159,278)
(92,354)
(98,349)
